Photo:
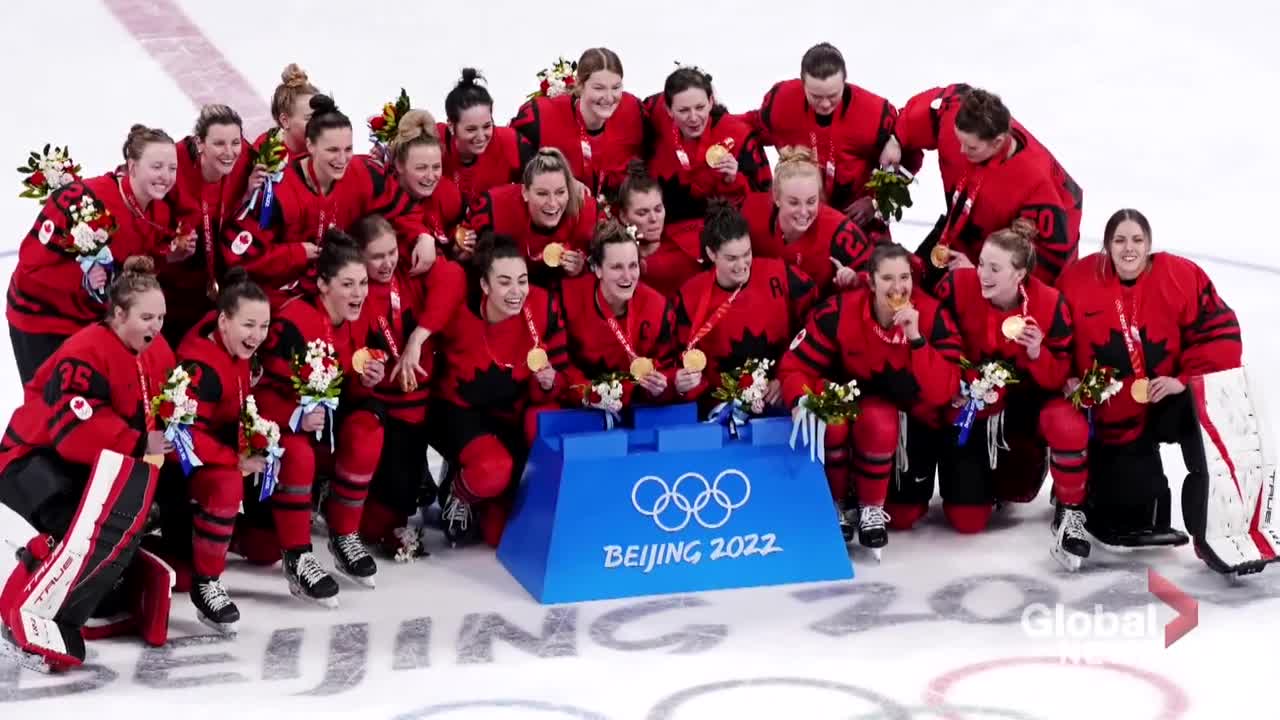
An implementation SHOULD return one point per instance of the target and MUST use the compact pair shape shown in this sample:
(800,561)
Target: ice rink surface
(1166,107)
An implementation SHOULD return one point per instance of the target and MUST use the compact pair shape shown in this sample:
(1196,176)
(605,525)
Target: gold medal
(536,359)
(897,302)
(553,254)
(1013,326)
(1140,391)
(460,235)
(694,360)
(716,153)
(360,359)
(940,255)
(641,367)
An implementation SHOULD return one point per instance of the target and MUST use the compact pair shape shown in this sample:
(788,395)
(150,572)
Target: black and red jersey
(677,258)
(501,162)
(847,143)
(596,158)
(505,211)
(220,382)
(93,394)
(680,166)
(753,322)
(438,215)
(1176,323)
(46,291)
(484,365)
(830,235)
(842,341)
(982,199)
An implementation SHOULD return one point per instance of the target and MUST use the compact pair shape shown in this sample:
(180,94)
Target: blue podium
(670,505)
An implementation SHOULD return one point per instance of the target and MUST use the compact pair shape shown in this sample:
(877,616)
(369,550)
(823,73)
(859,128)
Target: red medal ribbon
(386,327)
(716,317)
(1132,340)
(150,420)
(331,208)
(584,139)
(957,220)
(533,331)
(829,168)
(613,325)
(994,333)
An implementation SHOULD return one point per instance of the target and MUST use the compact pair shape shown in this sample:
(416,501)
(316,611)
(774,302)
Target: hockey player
(1157,321)
(669,252)
(477,155)
(905,357)
(1004,315)
(77,476)
(60,285)
(429,209)
(502,360)
(618,324)
(216,354)
(316,436)
(598,127)
(699,152)
(550,220)
(794,223)
(291,109)
(993,171)
(738,310)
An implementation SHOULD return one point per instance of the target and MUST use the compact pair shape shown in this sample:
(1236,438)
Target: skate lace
(309,569)
(874,516)
(214,595)
(458,514)
(1074,522)
(351,547)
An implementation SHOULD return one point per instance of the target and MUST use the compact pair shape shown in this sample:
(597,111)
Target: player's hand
(1163,387)
(687,380)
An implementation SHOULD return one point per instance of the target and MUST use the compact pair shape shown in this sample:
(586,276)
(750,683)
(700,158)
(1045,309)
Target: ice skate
(25,659)
(872,531)
(1070,544)
(214,607)
(352,559)
(846,518)
(308,580)
(456,519)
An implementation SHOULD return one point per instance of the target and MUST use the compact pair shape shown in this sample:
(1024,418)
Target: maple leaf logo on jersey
(897,385)
(749,346)
(1114,353)
(494,387)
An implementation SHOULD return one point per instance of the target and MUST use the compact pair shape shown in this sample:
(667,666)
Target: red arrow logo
(1188,608)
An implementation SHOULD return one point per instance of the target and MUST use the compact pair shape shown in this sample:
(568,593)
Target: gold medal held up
(361,358)
(940,256)
(460,235)
(897,302)
(716,153)
(553,254)
(1013,326)
(641,367)
(536,359)
(1141,391)
(694,360)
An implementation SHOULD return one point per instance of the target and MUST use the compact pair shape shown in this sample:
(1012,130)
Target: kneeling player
(74,487)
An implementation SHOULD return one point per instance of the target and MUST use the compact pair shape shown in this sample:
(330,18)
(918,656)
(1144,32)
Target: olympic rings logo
(673,500)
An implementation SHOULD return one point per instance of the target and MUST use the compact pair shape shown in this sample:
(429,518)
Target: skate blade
(24,659)
(329,602)
(225,629)
(1071,563)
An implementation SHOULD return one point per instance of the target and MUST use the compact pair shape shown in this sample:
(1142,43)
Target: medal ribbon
(957,220)
(207,221)
(386,327)
(899,336)
(716,317)
(1130,333)
(136,210)
(533,331)
(150,420)
(584,140)
(613,325)
(331,208)
(829,168)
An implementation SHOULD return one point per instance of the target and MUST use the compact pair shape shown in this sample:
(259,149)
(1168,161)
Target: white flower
(82,237)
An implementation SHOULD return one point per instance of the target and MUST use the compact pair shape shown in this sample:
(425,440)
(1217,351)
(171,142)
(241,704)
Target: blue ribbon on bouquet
(730,414)
(610,418)
(812,432)
(965,421)
(310,403)
(271,472)
(104,258)
(1088,416)
(184,446)
(268,195)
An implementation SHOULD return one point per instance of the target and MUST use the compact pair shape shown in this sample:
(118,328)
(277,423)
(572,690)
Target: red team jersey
(504,211)
(501,162)
(46,293)
(220,383)
(483,365)
(273,253)
(598,158)
(842,341)
(93,394)
(648,325)
(830,235)
(677,258)
(1029,184)
(680,166)
(847,143)
(1183,329)
(978,321)
(437,215)
(756,321)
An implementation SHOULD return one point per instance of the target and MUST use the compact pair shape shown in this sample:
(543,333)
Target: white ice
(1165,107)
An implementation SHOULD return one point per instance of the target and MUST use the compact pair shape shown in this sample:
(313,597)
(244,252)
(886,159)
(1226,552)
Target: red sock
(1066,430)
(359,449)
(875,440)
(837,461)
(291,501)
(217,492)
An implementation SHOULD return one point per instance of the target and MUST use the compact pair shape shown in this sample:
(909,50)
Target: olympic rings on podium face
(677,496)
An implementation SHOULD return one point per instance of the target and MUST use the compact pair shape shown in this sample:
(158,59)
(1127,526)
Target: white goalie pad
(1242,532)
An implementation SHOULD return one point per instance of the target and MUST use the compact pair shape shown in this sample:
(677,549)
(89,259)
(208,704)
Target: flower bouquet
(47,171)
(91,228)
(556,80)
(831,404)
(383,127)
(176,409)
(260,437)
(891,192)
(982,387)
(317,378)
(605,394)
(1098,385)
(274,156)
(741,394)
